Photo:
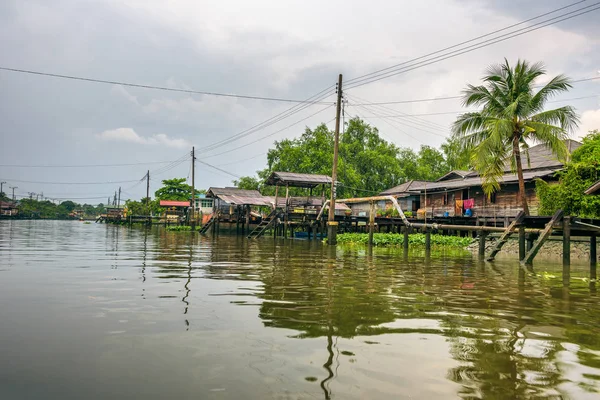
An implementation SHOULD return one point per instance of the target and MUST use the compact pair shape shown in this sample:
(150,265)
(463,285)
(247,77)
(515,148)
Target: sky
(83,133)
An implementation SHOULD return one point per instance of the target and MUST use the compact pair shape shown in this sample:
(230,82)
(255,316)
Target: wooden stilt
(521,242)
(566,250)
(371,223)
(482,237)
(405,241)
(593,256)
(427,240)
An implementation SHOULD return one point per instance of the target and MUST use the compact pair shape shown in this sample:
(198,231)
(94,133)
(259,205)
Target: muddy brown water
(93,311)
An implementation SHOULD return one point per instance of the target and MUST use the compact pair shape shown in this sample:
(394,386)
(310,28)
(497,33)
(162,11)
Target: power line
(276,118)
(269,135)
(218,169)
(465,42)
(245,159)
(69,183)
(137,85)
(408,118)
(460,97)
(563,17)
(464,111)
(84,165)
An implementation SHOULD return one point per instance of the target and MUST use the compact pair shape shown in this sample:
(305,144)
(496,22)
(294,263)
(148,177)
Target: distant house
(458,191)
(8,208)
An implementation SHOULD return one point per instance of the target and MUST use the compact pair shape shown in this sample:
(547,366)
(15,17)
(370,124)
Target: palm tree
(512,116)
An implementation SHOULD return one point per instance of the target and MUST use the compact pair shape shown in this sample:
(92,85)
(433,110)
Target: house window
(493,198)
(206,203)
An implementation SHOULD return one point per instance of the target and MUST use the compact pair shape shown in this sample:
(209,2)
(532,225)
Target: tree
(174,189)
(579,174)
(512,113)
(456,154)
(430,164)
(367,164)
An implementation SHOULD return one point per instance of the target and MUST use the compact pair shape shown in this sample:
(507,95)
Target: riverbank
(552,248)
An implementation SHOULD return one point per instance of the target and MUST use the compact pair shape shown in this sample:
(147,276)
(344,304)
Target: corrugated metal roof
(239,197)
(174,203)
(297,180)
(456,172)
(217,191)
(541,157)
(411,186)
(244,200)
(476,180)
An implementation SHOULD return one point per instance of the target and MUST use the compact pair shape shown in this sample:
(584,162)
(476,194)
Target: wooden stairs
(544,235)
(264,225)
(207,225)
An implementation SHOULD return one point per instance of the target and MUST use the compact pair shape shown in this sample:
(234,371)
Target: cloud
(130,135)
(590,120)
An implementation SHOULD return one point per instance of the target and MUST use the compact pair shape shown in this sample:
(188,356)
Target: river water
(93,311)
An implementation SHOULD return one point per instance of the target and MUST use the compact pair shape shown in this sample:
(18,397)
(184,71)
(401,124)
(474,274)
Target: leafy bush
(181,228)
(394,239)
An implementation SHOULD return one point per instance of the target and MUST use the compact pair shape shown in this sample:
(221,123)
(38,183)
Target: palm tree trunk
(517,154)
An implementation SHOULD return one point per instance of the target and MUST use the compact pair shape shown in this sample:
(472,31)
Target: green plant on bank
(182,228)
(394,239)
(579,174)
(408,214)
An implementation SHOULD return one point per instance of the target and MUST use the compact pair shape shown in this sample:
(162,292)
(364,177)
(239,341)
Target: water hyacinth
(394,239)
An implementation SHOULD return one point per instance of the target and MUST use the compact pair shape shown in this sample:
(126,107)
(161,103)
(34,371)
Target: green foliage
(578,175)
(182,228)
(512,115)
(367,163)
(135,207)
(174,189)
(456,154)
(46,209)
(394,239)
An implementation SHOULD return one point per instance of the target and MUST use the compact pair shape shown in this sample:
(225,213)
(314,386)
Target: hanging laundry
(468,204)
(458,208)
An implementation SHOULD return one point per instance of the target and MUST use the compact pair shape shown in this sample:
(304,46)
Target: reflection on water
(95,311)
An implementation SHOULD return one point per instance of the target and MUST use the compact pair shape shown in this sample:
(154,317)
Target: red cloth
(468,203)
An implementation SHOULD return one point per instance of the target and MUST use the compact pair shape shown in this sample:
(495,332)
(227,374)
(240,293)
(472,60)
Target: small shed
(292,179)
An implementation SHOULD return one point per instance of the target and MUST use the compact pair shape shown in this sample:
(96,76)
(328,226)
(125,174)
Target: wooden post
(193,201)
(371,223)
(248,218)
(566,250)
(482,237)
(593,256)
(521,242)
(427,240)
(405,242)
(285,217)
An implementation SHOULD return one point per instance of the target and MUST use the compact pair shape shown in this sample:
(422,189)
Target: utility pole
(331,224)
(13,190)
(119,198)
(115,199)
(148,194)
(2,184)
(108,202)
(193,221)
(30,195)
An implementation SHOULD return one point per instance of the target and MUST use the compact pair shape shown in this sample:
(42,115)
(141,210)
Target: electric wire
(269,135)
(464,42)
(137,85)
(474,47)
(276,118)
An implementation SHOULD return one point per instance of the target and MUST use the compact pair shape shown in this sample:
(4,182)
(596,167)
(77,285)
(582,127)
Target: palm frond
(565,117)
(559,83)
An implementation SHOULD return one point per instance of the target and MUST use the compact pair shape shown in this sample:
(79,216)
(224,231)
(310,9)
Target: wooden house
(458,191)
(446,197)
(8,208)
(594,189)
